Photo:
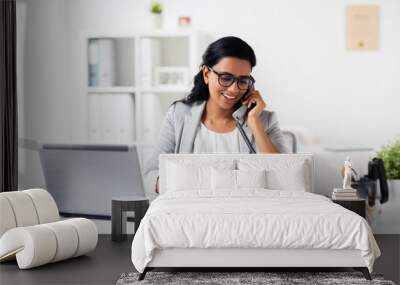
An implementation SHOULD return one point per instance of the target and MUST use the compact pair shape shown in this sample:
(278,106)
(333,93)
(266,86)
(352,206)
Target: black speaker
(376,171)
(366,185)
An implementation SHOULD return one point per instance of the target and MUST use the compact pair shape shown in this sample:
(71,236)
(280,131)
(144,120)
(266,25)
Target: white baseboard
(104,226)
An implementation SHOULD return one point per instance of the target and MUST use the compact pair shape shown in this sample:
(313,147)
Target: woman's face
(226,97)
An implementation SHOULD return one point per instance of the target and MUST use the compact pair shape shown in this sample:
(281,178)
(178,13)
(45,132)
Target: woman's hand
(253,121)
(253,117)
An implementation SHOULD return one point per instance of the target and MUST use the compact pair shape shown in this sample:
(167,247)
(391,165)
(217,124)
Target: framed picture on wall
(171,76)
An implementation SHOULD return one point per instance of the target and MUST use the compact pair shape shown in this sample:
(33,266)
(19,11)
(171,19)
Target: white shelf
(183,32)
(167,89)
(168,34)
(130,107)
(132,60)
(112,89)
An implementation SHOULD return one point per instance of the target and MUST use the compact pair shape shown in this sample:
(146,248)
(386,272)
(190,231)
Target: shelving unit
(112,89)
(133,78)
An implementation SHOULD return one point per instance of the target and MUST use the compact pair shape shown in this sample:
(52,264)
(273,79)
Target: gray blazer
(178,132)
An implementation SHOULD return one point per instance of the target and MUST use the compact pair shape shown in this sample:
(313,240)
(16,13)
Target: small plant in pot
(390,154)
(156,14)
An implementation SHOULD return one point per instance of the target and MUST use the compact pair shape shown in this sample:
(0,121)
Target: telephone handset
(240,114)
(240,117)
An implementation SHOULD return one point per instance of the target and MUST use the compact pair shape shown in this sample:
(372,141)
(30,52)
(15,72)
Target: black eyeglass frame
(235,79)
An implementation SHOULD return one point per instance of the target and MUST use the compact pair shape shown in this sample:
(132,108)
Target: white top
(207,141)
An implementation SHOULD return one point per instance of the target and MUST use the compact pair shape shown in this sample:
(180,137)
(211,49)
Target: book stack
(344,194)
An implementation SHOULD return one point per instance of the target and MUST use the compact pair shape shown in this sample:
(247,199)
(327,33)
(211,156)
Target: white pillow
(184,175)
(293,178)
(237,179)
(281,175)
(251,178)
(223,179)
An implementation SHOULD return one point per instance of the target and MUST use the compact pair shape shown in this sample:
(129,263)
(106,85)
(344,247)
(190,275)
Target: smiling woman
(203,122)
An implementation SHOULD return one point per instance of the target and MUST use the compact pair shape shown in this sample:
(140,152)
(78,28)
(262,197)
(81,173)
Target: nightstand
(120,205)
(358,206)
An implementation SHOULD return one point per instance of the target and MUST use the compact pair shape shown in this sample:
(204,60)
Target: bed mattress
(250,219)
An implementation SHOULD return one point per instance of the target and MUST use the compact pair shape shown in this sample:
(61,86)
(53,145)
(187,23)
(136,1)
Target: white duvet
(253,218)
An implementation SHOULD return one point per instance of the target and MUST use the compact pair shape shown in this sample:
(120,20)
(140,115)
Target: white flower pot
(156,20)
(384,217)
(394,189)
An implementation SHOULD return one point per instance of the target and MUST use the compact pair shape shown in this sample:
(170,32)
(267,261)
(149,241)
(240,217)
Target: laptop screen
(83,178)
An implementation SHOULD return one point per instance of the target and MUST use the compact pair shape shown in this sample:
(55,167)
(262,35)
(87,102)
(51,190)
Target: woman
(203,122)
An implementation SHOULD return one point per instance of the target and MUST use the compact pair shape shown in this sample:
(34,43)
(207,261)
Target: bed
(247,210)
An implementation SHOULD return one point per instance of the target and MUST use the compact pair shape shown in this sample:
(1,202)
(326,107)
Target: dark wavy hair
(223,47)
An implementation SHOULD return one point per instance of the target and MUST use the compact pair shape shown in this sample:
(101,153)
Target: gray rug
(229,278)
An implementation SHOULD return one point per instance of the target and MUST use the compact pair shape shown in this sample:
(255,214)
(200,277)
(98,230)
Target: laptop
(83,178)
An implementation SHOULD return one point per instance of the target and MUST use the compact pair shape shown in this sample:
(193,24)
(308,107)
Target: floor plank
(389,262)
(111,259)
(103,266)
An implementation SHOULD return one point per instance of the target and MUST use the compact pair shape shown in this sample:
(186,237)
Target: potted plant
(156,14)
(390,154)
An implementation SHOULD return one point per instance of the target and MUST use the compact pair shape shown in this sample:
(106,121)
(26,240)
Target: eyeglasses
(227,79)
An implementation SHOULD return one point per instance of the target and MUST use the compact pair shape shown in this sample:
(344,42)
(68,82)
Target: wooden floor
(111,259)
(102,266)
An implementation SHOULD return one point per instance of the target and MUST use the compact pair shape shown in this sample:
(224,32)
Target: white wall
(93,16)
(304,71)
(44,102)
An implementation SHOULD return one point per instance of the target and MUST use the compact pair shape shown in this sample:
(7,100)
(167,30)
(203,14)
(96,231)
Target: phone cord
(246,139)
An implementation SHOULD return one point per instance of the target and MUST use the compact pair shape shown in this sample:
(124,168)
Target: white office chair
(290,139)
(32,233)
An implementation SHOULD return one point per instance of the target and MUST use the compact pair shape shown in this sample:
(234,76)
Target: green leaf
(390,154)
(156,8)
